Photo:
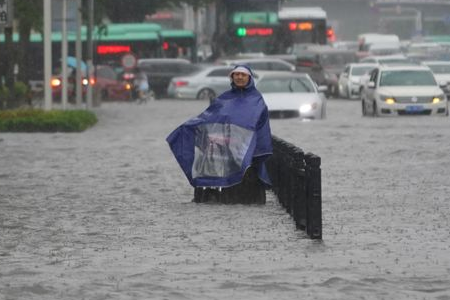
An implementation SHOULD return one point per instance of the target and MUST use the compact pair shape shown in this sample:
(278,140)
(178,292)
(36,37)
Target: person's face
(240,79)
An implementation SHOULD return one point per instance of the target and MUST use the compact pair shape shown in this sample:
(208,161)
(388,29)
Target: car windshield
(392,60)
(440,69)
(407,78)
(285,85)
(360,70)
(336,59)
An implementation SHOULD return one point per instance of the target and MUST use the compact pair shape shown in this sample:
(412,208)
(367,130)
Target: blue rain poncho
(216,148)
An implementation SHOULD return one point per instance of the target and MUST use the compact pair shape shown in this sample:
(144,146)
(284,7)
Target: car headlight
(55,82)
(387,99)
(354,81)
(306,108)
(437,99)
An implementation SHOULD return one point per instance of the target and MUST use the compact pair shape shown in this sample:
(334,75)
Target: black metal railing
(296,181)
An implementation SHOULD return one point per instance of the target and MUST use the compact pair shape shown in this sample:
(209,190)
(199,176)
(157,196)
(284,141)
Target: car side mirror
(443,84)
(322,88)
(371,84)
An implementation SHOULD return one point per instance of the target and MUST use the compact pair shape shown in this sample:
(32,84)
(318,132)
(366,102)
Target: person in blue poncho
(223,150)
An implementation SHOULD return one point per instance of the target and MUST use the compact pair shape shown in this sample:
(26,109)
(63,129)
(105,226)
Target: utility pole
(78,55)
(47,54)
(64,52)
(89,55)
(6,22)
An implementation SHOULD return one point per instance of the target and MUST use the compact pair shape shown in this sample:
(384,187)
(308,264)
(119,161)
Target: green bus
(111,42)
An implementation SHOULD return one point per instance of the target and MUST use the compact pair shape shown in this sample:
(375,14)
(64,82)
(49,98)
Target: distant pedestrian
(141,86)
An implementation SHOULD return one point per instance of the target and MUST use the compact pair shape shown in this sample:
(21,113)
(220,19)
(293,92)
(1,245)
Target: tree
(196,5)
(29,16)
(119,11)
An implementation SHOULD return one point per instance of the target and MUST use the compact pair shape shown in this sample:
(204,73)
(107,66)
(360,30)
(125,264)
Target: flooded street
(107,214)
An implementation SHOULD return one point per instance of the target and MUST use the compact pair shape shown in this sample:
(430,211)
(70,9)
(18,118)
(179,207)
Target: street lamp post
(89,55)
(47,54)
(398,10)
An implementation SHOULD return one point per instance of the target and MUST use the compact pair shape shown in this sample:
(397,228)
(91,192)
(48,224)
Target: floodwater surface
(107,214)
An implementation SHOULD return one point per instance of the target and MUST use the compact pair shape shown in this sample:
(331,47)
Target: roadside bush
(38,120)
(21,96)
(21,90)
(4,96)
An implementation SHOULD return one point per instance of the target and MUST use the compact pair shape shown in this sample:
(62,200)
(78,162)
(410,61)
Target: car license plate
(414,108)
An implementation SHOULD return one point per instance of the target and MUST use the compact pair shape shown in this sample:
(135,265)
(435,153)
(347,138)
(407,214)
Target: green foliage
(4,93)
(21,90)
(21,95)
(38,120)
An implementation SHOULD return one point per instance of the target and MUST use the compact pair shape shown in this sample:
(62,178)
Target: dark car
(160,72)
(324,64)
(57,84)
(111,84)
(106,82)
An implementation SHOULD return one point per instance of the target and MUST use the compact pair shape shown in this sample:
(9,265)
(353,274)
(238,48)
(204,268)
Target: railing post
(314,196)
(300,190)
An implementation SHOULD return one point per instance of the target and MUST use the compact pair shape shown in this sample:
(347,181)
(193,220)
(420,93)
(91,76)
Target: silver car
(403,90)
(262,64)
(350,79)
(207,83)
(292,95)
(386,59)
(440,69)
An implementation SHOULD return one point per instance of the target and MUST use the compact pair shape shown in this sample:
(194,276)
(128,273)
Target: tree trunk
(9,64)
(22,59)
(217,43)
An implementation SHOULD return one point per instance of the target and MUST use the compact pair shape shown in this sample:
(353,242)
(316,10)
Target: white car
(386,59)
(350,79)
(403,90)
(292,95)
(205,84)
(440,69)
(262,63)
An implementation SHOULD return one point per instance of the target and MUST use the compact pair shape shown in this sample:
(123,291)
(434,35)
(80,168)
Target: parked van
(378,44)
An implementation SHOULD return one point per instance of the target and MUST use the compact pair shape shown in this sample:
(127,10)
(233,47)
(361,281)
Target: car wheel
(364,109)
(206,94)
(335,92)
(347,93)
(104,95)
(374,109)
(328,92)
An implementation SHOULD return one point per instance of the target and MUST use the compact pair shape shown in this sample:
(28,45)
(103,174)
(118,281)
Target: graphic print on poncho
(219,149)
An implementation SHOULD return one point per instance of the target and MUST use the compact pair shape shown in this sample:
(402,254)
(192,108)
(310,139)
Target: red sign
(259,31)
(113,49)
(129,61)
